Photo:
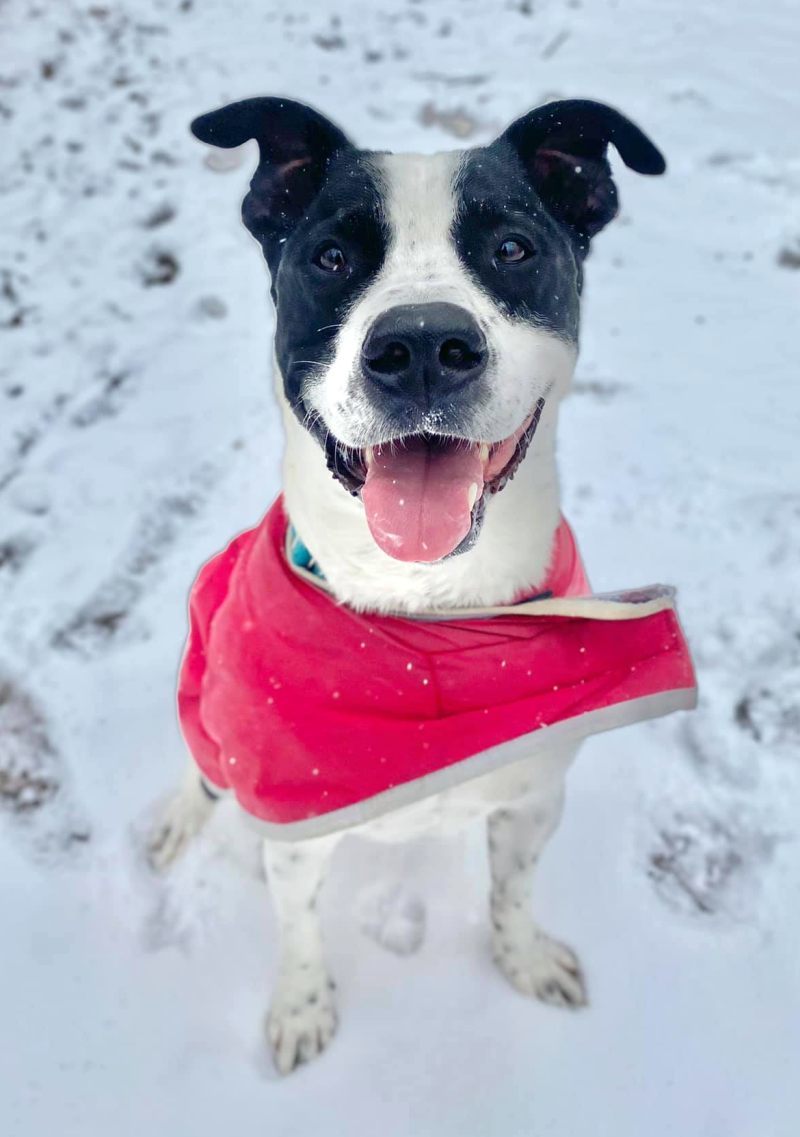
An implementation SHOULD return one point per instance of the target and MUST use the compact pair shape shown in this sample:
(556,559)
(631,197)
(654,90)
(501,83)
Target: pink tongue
(418,498)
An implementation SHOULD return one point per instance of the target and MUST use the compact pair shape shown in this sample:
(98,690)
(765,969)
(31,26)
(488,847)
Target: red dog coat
(318,717)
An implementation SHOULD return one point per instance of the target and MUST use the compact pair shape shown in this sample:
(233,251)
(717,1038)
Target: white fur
(302,1019)
(523,801)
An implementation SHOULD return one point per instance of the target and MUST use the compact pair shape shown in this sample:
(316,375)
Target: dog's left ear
(564,145)
(295,144)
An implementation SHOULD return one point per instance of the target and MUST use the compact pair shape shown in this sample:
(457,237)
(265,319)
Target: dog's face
(427,306)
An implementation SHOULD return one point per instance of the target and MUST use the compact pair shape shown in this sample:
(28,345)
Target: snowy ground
(137,433)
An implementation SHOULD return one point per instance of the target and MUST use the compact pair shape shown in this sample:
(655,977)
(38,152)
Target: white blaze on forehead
(420,205)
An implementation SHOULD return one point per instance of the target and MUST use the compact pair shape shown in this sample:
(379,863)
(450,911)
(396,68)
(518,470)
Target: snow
(138,433)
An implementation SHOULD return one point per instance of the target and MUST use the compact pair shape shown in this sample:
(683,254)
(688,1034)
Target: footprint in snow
(33,793)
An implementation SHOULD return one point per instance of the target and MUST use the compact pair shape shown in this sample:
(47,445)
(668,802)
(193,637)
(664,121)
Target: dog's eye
(512,251)
(331,258)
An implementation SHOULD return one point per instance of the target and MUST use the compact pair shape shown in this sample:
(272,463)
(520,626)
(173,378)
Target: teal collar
(300,555)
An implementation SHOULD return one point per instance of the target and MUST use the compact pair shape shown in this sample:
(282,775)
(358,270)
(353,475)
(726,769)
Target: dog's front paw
(537,965)
(302,1019)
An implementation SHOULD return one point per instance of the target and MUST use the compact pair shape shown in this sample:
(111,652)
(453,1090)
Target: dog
(427,320)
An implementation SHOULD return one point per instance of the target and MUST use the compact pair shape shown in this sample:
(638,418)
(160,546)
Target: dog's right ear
(295,145)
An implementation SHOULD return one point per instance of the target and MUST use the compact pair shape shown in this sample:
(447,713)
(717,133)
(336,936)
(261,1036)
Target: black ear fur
(564,148)
(295,145)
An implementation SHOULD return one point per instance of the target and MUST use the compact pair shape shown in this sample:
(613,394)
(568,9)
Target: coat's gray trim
(632,604)
(527,746)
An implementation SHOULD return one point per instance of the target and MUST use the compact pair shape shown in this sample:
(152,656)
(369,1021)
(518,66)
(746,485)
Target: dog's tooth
(484,452)
(472,496)
(368,456)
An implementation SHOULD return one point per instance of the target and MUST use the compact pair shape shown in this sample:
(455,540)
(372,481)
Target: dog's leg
(182,818)
(302,1018)
(531,961)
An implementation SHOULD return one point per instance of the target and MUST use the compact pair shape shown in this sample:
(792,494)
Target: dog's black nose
(422,350)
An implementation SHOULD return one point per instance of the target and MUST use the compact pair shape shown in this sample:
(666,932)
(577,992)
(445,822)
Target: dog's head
(427,306)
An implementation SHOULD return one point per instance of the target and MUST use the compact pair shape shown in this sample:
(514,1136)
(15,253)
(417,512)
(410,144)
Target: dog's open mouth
(424,494)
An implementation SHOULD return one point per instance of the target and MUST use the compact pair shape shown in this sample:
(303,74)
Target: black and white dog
(431,302)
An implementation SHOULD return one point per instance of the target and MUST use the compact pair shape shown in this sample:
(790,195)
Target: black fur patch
(496,200)
(311,304)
